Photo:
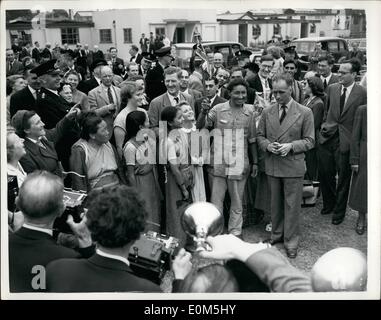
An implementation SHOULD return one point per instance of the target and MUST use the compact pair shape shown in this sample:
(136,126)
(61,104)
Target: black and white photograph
(206,149)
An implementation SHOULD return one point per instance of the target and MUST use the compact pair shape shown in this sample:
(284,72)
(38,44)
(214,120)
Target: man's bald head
(218,59)
(41,196)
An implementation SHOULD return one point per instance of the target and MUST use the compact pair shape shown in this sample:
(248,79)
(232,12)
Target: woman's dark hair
(134,120)
(237,82)
(88,123)
(212,278)
(316,86)
(169,114)
(116,216)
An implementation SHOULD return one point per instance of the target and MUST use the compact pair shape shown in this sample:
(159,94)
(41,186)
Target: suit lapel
(292,115)
(352,97)
(166,101)
(274,119)
(102,94)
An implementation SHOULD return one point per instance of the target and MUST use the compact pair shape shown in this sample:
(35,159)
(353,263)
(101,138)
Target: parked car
(337,47)
(184,50)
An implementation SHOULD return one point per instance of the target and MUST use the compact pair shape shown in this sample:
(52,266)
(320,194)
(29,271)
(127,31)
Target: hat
(97,63)
(48,67)
(18,122)
(243,54)
(289,48)
(148,56)
(164,51)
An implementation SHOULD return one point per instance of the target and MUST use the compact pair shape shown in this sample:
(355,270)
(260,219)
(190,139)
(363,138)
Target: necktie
(266,84)
(110,98)
(325,84)
(283,114)
(40,144)
(176,99)
(342,100)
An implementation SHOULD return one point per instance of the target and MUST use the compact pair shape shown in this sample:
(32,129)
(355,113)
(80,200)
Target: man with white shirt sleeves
(343,99)
(32,247)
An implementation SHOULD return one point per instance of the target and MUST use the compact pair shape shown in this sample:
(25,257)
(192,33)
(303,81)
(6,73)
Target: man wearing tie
(261,83)
(25,99)
(117,63)
(135,55)
(172,97)
(13,66)
(285,132)
(105,99)
(343,99)
(325,65)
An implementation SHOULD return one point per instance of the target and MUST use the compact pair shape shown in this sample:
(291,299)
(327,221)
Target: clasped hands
(281,149)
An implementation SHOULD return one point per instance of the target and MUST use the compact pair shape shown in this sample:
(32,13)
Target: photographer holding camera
(115,218)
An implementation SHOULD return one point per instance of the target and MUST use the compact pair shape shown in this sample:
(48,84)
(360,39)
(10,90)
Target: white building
(122,28)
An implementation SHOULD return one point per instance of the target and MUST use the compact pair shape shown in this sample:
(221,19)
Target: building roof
(18,24)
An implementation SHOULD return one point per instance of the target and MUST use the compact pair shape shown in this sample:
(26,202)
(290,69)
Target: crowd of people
(126,131)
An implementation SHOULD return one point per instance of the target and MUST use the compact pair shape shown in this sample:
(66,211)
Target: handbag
(310,192)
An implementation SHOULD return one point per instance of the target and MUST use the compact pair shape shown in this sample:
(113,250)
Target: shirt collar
(31,89)
(186,91)
(112,256)
(54,91)
(327,78)
(349,89)
(45,230)
(172,98)
(212,99)
(34,141)
(288,105)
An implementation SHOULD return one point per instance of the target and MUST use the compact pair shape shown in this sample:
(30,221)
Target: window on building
(159,31)
(105,36)
(256,30)
(69,35)
(127,33)
(277,28)
(312,28)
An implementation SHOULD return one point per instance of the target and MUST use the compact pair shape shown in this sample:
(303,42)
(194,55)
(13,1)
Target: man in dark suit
(211,87)
(290,66)
(26,98)
(97,53)
(36,52)
(261,83)
(155,77)
(25,52)
(81,58)
(144,42)
(240,73)
(343,99)
(146,63)
(66,49)
(325,65)
(51,107)
(109,269)
(32,247)
(172,97)
(46,53)
(135,55)
(13,66)
(285,132)
(117,63)
(184,86)
(88,85)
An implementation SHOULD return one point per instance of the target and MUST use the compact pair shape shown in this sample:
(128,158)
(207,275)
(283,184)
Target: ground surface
(318,236)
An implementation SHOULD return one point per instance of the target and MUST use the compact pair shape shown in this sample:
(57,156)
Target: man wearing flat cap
(155,77)
(95,80)
(51,107)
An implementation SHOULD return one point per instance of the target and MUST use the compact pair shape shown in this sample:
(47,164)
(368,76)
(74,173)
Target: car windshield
(184,52)
(304,46)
